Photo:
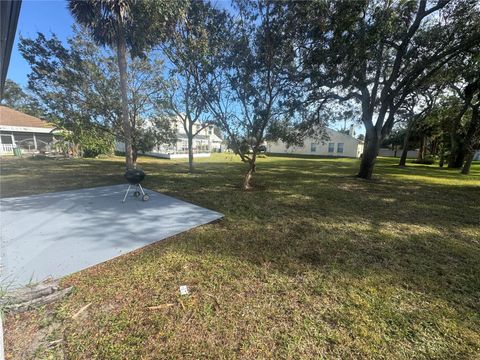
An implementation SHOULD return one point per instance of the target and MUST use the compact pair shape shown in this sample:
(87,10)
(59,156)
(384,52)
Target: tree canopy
(377,53)
(268,71)
(79,90)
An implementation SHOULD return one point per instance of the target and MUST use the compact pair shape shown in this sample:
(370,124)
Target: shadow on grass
(313,213)
(418,235)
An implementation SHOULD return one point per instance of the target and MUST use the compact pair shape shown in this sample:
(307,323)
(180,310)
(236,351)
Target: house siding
(351,146)
(24,131)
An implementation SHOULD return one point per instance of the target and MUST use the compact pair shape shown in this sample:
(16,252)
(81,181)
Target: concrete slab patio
(56,234)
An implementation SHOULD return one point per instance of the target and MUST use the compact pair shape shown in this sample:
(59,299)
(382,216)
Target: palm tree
(107,21)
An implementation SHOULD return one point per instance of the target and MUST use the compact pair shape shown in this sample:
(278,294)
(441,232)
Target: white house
(338,145)
(205,142)
(31,134)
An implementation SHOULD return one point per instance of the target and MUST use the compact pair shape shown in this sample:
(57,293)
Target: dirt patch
(33,335)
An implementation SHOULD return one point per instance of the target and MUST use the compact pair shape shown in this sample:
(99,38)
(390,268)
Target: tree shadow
(314,214)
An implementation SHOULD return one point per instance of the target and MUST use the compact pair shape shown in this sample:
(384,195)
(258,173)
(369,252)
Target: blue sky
(38,16)
(52,16)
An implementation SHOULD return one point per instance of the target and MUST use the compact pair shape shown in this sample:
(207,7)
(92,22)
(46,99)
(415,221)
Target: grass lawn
(313,263)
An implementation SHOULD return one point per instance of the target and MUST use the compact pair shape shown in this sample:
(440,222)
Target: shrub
(429,160)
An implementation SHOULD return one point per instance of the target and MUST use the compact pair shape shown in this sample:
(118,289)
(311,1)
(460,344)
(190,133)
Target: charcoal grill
(134,178)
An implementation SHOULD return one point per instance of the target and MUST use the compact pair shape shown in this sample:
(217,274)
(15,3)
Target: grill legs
(126,194)
(139,187)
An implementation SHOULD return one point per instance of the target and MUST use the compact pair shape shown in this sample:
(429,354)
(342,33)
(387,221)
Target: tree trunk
(466,149)
(190,152)
(421,150)
(468,163)
(134,156)
(406,141)
(248,176)
(453,153)
(455,156)
(122,67)
(458,156)
(370,154)
(365,142)
(434,148)
(442,157)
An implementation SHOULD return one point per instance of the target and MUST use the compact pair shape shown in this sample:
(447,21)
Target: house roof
(11,117)
(346,136)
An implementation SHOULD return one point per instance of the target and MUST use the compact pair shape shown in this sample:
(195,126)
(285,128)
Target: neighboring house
(477,155)
(338,145)
(392,153)
(205,142)
(414,153)
(27,132)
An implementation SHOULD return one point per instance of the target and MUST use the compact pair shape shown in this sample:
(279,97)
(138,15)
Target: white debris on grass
(184,290)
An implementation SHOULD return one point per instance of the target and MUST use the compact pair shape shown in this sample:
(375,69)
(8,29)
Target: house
(206,141)
(31,134)
(338,145)
(397,153)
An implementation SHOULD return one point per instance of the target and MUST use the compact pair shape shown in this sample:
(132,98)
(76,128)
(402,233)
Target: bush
(91,153)
(429,160)
(103,156)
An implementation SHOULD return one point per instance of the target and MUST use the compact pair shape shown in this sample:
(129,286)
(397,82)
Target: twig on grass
(181,303)
(74,316)
(188,318)
(217,303)
(54,343)
(162,306)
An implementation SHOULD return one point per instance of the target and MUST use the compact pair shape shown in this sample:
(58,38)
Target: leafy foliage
(155,132)
(144,23)
(123,25)
(16,98)
(244,78)
(376,53)
(184,101)
(80,92)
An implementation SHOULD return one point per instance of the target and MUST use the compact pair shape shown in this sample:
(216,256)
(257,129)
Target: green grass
(313,263)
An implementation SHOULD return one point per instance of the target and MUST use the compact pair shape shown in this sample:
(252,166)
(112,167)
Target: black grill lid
(134,176)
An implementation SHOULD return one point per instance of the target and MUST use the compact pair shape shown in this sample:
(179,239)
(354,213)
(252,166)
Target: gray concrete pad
(56,234)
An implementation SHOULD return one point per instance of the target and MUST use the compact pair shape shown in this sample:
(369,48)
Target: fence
(6,149)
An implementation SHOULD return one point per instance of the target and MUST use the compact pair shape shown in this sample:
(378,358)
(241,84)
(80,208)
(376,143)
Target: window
(6,139)
(313,147)
(331,147)
(340,148)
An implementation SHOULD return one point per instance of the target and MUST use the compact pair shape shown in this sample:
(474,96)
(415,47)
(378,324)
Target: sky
(47,16)
(52,16)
